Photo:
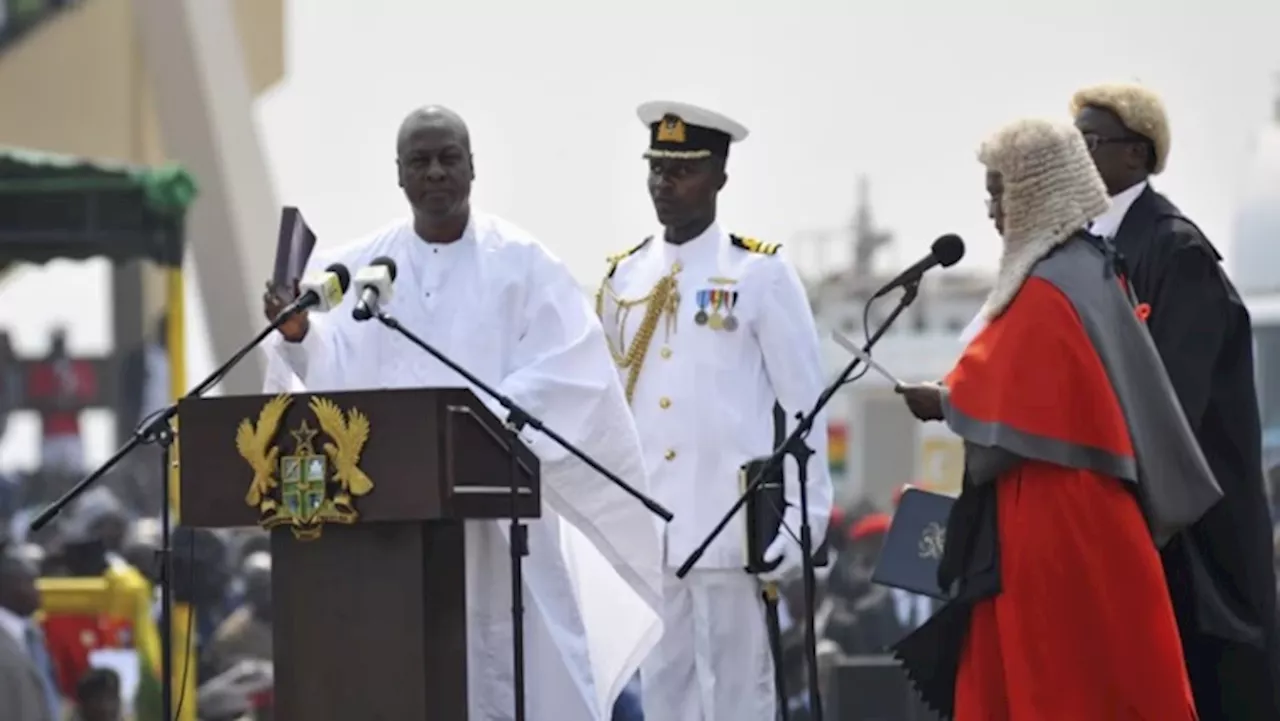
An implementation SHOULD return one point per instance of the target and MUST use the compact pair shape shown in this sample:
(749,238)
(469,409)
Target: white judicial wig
(610,546)
(1140,110)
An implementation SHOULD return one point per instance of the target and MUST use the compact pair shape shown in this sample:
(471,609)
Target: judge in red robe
(1079,465)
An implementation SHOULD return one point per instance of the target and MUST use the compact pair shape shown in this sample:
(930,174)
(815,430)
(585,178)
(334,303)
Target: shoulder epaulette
(617,258)
(751,245)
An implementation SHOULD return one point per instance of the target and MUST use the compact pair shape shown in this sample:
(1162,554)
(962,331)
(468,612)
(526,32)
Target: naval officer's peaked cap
(685,132)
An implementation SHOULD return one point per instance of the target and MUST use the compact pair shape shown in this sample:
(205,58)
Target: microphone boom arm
(803,426)
(149,430)
(796,447)
(157,429)
(519,418)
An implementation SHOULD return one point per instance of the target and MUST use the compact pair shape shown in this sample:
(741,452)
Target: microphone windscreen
(948,249)
(344,275)
(388,262)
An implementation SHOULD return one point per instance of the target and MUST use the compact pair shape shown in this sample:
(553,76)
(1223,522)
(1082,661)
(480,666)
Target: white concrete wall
(204,105)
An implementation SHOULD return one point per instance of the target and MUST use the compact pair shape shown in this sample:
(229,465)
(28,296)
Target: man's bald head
(433,158)
(434,117)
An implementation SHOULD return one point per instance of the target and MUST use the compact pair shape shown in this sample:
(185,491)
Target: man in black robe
(1219,571)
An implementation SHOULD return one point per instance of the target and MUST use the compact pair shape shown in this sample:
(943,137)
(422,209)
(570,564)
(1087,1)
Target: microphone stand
(796,447)
(158,430)
(770,596)
(517,420)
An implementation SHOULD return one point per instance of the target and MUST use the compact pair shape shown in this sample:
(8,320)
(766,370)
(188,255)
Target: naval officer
(709,330)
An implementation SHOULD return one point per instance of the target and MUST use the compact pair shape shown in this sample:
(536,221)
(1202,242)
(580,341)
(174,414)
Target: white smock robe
(497,303)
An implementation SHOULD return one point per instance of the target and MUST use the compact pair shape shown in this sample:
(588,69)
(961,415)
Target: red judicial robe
(1078,464)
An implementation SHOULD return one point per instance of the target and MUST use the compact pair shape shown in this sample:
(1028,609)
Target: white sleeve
(280,377)
(318,360)
(789,342)
(310,353)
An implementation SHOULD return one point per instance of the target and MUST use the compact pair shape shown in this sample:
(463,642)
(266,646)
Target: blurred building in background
(96,92)
(145,82)
(1254,262)
(875,444)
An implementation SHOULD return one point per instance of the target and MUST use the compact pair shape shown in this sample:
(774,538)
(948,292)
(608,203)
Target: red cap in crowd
(871,524)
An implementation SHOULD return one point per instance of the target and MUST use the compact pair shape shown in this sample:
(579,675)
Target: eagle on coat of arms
(305,489)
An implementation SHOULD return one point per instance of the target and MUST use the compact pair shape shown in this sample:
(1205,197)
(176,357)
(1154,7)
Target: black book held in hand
(767,501)
(293,250)
(913,548)
(763,512)
(766,504)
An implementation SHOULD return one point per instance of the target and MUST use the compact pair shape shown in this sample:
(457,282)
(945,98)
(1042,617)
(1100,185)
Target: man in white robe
(493,299)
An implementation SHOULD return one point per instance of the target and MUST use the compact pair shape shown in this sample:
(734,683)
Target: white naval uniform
(703,404)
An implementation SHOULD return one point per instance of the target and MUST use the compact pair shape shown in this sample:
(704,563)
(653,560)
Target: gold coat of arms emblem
(308,487)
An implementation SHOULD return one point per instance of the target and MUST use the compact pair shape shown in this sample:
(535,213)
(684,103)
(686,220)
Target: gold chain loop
(631,357)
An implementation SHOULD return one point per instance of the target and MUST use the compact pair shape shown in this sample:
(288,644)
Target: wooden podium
(366,493)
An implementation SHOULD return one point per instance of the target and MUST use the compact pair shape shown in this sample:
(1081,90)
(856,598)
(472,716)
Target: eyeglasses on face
(1093,141)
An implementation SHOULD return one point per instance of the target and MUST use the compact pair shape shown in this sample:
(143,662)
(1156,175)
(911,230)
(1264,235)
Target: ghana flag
(837,446)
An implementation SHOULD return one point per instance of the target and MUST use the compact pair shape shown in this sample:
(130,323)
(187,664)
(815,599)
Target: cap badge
(671,130)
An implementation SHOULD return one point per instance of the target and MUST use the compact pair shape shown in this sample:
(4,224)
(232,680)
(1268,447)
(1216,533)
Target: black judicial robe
(1220,571)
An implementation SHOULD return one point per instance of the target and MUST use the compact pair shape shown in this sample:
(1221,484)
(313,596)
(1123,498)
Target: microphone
(373,283)
(322,291)
(946,252)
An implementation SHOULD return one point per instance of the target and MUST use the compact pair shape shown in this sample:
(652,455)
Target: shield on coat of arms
(304,482)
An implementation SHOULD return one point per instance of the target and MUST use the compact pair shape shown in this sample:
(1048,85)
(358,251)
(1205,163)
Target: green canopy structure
(57,206)
(62,207)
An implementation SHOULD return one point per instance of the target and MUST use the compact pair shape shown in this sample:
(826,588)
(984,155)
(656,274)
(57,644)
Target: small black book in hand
(913,548)
(293,250)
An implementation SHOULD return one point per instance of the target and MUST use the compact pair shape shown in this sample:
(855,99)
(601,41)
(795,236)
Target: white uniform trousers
(713,662)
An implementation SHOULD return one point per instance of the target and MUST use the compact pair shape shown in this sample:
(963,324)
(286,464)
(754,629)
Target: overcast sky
(900,91)
(829,89)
